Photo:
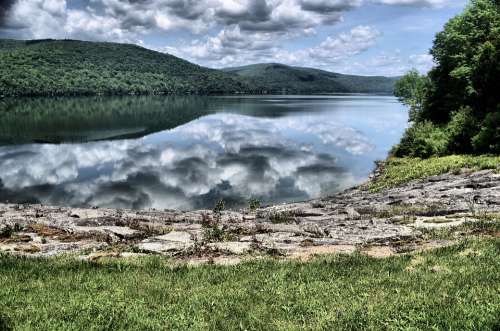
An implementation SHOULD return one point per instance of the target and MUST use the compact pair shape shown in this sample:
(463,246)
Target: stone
(176,236)
(172,241)
(161,246)
(122,232)
(233,247)
(352,213)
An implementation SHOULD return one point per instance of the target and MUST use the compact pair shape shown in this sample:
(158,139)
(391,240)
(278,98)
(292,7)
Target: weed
(284,216)
(219,208)
(213,230)
(253,204)
(6,232)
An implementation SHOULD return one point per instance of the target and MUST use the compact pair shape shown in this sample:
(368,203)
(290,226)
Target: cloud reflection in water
(227,156)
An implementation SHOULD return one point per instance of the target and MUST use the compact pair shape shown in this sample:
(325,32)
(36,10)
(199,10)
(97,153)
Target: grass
(448,289)
(484,227)
(398,171)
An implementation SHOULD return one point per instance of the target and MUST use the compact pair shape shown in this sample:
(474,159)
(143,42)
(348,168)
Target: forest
(455,109)
(279,78)
(70,67)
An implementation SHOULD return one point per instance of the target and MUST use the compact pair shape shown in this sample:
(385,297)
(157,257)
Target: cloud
(327,6)
(421,3)
(235,32)
(389,64)
(5,6)
(233,48)
(125,20)
(333,49)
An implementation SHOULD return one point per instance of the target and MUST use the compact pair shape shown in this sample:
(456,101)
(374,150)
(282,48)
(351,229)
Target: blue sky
(368,37)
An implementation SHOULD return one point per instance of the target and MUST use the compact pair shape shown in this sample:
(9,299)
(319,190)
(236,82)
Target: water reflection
(290,155)
(60,120)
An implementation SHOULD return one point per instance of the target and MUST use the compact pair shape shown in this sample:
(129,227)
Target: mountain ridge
(51,67)
(294,79)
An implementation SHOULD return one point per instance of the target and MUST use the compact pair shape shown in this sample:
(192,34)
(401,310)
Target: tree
(411,89)
(461,94)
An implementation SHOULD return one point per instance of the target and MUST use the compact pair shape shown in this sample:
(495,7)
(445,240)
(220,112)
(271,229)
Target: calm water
(188,152)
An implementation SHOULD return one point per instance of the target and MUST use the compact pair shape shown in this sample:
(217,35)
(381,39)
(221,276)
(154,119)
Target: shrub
(461,128)
(422,140)
(488,138)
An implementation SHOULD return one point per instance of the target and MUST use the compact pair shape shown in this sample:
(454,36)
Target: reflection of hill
(93,118)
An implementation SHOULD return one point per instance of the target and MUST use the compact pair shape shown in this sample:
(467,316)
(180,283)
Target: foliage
(460,96)
(411,89)
(279,78)
(70,67)
(423,139)
(488,137)
(398,171)
(213,231)
(253,204)
(341,292)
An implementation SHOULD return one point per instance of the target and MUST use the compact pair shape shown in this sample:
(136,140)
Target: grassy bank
(453,288)
(398,171)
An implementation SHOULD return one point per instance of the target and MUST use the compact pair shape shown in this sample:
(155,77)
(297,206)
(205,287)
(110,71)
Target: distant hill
(70,67)
(277,77)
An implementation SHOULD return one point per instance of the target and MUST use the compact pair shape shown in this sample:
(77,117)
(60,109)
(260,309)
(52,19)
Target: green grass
(452,288)
(398,171)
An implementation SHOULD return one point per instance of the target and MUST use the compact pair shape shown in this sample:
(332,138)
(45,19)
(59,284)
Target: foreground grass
(453,288)
(398,171)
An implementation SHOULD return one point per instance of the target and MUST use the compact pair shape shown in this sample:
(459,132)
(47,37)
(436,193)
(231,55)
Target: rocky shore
(376,223)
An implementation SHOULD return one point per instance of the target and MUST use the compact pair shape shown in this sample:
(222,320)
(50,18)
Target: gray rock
(176,236)
(233,247)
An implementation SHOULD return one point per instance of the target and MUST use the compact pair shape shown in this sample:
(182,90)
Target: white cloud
(238,32)
(334,49)
(126,20)
(233,48)
(421,3)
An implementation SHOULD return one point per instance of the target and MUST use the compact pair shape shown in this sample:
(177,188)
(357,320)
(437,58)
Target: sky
(365,37)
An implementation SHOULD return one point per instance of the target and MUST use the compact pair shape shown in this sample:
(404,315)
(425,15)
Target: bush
(461,128)
(488,138)
(422,140)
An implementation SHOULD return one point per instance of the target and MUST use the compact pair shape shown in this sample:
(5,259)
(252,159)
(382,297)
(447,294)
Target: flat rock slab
(173,241)
(232,247)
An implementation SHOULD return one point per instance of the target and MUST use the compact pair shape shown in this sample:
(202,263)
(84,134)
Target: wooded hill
(70,67)
(278,78)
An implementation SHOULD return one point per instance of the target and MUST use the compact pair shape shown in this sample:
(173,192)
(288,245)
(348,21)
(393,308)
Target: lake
(188,152)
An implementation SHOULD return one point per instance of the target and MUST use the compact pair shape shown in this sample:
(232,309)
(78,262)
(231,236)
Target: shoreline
(379,224)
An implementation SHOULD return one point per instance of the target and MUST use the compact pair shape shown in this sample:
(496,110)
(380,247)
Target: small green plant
(214,234)
(281,217)
(219,207)
(213,230)
(253,204)
(7,232)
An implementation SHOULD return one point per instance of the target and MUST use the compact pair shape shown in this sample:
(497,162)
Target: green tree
(461,95)
(411,89)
